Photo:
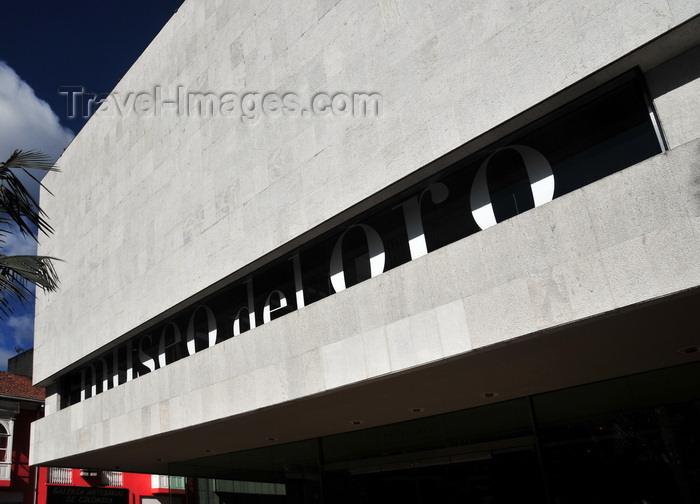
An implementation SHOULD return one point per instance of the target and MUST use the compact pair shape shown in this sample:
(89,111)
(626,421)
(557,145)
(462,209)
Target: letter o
(341,105)
(539,172)
(376,256)
(211,329)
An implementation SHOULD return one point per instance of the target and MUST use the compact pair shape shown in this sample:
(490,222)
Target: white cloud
(16,331)
(16,244)
(23,327)
(27,122)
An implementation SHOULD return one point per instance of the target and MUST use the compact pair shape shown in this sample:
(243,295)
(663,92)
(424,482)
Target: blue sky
(45,46)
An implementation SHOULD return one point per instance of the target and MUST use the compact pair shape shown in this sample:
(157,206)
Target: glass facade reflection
(631,440)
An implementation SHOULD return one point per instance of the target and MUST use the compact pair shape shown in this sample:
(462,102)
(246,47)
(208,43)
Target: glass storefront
(632,440)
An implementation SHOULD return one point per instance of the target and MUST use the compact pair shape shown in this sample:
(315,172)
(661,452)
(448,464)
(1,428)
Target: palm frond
(16,275)
(16,202)
(30,160)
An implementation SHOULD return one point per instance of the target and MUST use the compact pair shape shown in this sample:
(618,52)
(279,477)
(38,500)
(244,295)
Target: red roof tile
(19,386)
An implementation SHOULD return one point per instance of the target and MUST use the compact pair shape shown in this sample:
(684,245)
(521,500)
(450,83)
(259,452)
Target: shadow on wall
(675,73)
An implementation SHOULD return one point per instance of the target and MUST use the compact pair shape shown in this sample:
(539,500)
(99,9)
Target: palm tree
(20,211)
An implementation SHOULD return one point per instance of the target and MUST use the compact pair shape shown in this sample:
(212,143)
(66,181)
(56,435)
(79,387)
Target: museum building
(385,251)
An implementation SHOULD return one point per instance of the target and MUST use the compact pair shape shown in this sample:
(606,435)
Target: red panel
(22,476)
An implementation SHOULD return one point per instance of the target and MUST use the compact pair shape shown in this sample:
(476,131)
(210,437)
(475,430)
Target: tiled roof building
(19,387)
(21,403)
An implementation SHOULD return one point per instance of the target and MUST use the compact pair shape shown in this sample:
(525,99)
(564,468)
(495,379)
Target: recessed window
(597,135)
(6,427)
